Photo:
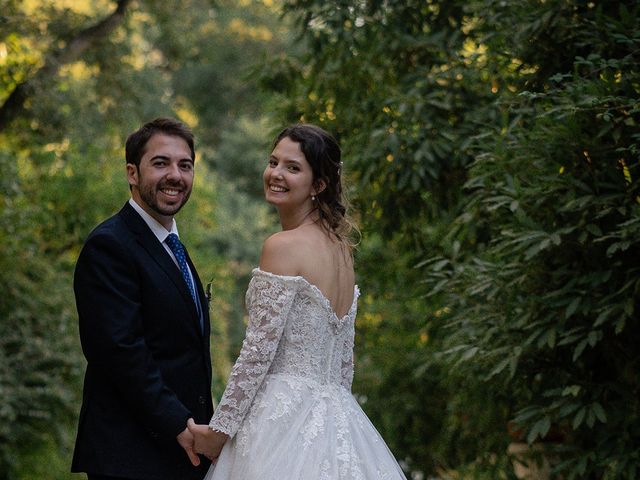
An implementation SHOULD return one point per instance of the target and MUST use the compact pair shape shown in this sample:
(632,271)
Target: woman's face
(288,178)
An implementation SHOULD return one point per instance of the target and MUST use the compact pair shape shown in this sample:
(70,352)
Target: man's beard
(149,195)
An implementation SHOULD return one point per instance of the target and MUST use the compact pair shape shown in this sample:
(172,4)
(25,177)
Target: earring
(313,198)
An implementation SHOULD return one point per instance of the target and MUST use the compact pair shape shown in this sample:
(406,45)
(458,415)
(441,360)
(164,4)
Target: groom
(144,324)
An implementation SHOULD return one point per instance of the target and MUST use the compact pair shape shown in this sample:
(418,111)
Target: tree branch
(85,39)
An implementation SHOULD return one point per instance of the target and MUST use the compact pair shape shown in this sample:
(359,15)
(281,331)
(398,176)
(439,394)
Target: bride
(287,411)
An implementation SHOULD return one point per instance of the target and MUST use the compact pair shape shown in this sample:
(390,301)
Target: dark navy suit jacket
(148,361)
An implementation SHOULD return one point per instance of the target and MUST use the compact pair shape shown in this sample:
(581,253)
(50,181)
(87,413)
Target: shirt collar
(156,227)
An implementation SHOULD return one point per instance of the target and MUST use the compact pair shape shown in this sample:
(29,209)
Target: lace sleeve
(269,298)
(346,369)
(347,362)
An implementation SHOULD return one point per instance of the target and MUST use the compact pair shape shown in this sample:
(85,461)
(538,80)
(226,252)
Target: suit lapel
(157,252)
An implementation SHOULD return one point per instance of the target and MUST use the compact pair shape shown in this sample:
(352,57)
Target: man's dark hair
(137,141)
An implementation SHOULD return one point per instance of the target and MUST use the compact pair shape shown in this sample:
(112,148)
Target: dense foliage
(35,375)
(548,306)
(88,73)
(492,152)
(497,141)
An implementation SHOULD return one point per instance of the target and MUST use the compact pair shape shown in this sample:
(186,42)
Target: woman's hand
(206,441)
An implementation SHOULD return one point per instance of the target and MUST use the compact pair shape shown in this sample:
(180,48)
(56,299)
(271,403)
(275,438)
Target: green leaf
(526,413)
(577,420)
(499,368)
(469,353)
(436,267)
(599,412)
(572,390)
(629,307)
(539,429)
(594,229)
(573,306)
(591,418)
(579,349)
(568,409)
(602,317)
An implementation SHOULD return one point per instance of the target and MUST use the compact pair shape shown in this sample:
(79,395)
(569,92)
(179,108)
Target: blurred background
(491,150)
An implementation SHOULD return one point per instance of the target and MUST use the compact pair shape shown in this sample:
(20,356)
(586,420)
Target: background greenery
(492,154)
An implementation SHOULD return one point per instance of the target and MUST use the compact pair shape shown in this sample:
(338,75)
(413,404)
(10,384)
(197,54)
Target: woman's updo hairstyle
(323,153)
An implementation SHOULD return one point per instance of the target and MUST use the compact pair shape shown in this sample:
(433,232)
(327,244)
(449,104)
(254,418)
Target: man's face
(162,183)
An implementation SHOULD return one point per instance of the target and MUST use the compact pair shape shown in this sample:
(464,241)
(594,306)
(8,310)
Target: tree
(73,49)
(548,307)
(507,166)
(61,153)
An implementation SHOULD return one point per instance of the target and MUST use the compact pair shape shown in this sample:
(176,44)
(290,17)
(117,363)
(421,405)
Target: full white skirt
(303,430)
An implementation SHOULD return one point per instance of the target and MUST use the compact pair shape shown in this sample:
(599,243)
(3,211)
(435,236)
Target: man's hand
(206,441)
(187,441)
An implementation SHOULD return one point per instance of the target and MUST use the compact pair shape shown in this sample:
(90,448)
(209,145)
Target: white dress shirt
(160,232)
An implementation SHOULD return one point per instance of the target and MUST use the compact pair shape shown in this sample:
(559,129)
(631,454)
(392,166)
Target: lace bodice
(292,330)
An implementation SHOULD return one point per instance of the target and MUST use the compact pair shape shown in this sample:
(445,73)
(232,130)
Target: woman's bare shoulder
(281,254)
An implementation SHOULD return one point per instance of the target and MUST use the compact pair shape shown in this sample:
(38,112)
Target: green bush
(39,355)
(547,307)
(496,143)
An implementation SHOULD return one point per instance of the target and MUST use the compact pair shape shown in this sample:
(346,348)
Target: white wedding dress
(288,406)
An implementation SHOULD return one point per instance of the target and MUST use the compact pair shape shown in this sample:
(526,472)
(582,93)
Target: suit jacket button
(201,400)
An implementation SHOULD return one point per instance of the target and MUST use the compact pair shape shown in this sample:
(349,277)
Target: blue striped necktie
(178,251)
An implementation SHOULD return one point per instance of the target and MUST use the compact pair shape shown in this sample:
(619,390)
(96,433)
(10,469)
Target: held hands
(206,441)
(186,441)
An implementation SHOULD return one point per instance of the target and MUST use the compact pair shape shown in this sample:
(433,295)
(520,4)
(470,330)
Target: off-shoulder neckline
(316,289)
